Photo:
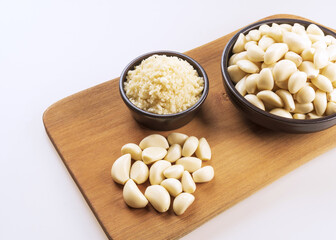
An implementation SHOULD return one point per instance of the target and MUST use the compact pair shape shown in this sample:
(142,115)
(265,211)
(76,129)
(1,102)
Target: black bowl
(259,116)
(163,121)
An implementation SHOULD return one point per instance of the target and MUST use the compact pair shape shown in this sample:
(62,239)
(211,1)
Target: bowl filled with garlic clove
(281,74)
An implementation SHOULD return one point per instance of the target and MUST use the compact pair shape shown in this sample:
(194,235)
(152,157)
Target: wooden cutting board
(89,128)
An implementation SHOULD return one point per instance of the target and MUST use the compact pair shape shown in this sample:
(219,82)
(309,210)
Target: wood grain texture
(89,128)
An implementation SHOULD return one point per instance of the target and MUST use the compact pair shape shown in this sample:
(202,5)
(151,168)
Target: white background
(51,49)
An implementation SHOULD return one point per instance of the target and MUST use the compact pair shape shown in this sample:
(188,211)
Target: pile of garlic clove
(176,167)
(287,70)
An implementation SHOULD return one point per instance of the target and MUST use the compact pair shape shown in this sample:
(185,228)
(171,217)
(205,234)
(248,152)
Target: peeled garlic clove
(177,138)
(309,68)
(174,171)
(121,169)
(264,29)
(314,29)
(156,171)
(188,184)
(283,70)
(236,57)
(152,154)
(158,197)
(305,95)
(320,44)
(132,149)
(322,83)
(253,99)
(190,146)
(182,202)
(321,58)
(248,66)
(204,174)
(296,42)
(330,40)
(251,83)
(265,42)
(320,102)
(312,115)
(173,186)
(235,73)
(248,44)
(275,52)
(287,99)
(294,57)
(174,153)
(299,29)
(296,81)
(254,35)
(139,172)
(133,197)
(286,26)
(299,116)
(303,107)
(281,112)
(308,54)
(265,81)
(154,140)
(203,150)
(241,86)
(330,72)
(331,108)
(255,53)
(190,164)
(275,32)
(239,45)
(270,98)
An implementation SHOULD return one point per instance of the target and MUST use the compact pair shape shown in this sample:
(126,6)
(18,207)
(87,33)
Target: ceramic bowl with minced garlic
(281,73)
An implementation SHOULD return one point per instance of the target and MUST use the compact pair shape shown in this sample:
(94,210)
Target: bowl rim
(136,61)
(229,83)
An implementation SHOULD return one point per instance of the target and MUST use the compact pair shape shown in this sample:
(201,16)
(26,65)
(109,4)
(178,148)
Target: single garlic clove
(305,95)
(299,116)
(309,68)
(296,42)
(182,202)
(265,81)
(296,81)
(251,83)
(314,29)
(154,140)
(241,86)
(174,171)
(248,66)
(235,73)
(156,171)
(133,197)
(320,102)
(283,70)
(173,186)
(253,99)
(188,184)
(332,52)
(255,53)
(254,35)
(240,43)
(294,57)
(248,44)
(236,57)
(139,172)
(308,54)
(153,154)
(275,52)
(312,115)
(203,150)
(132,149)
(121,169)
(271,98)
(177,138)
(331,97)
(174,153)
(190,146)
(287,99)
(204,174)
(322,83)
(190,164)
(303,107)
(281,112)
(158,197)
(265,42)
